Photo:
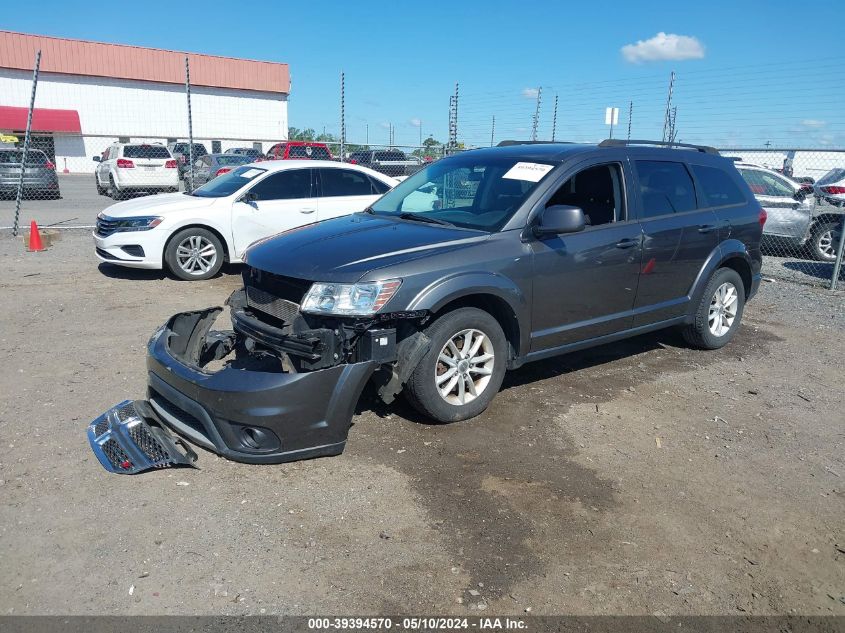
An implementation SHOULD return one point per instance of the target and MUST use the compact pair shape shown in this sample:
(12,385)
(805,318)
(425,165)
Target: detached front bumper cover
(127,440)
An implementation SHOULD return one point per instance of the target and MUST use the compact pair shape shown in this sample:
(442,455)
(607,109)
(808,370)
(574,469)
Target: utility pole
(536,121)
(421,133)
(668,114)
(190,127)
(630,116)
(342,114)
(367,135)
(554,121)
(493,130)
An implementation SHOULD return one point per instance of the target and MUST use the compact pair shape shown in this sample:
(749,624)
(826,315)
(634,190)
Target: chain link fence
(65,179)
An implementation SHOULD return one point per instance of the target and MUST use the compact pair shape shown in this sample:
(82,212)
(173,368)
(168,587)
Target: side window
(344,182)
(718,187)
(665,187)
(379,186)
(105,155)
(765,184)
(598,191)
(284,185)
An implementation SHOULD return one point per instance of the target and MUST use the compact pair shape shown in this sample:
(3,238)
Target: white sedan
(193,234)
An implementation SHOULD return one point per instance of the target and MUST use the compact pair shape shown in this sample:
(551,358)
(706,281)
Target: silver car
(39,178)
(831,187)
(795,220)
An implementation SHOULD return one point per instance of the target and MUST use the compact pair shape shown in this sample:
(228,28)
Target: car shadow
(113,271)
(539,371)
(819,270)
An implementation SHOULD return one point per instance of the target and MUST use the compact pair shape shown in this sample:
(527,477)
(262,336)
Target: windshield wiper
(420,217)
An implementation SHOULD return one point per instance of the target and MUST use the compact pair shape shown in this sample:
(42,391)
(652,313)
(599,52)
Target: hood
(159,204)
(344,249)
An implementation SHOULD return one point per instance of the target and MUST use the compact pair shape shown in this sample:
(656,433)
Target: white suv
(125,167)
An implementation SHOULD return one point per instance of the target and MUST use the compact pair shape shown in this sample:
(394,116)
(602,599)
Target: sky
(747,73)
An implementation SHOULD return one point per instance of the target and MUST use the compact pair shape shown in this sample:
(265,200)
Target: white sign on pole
(611,116)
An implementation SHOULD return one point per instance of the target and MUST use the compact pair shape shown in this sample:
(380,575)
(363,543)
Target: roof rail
(612,142)
(512,142)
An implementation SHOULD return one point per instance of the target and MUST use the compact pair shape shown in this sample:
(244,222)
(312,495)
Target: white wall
(146,111)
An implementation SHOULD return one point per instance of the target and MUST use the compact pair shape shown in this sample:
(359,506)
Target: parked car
(39,176)
(133,167)
(552,248)
(181,152)
(301,150)
(210,166)
(254,154)
(391,162)
(794,221)
(831,187)
(191,235)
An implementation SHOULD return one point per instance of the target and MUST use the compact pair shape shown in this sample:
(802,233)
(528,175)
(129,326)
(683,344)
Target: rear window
(33,157)
(145,151)
(233,159)
(665,187)
(718,188)
(308,151)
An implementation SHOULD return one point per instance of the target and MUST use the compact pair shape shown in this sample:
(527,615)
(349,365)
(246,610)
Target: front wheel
(463,369)
(825,241)
(194,254)
(717,317)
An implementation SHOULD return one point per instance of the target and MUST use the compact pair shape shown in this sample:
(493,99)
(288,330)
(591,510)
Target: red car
(299,150)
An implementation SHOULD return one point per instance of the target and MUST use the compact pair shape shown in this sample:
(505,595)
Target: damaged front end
(279,386)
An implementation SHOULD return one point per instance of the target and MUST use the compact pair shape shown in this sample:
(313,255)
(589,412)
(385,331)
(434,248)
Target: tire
(182,250)
(448,336)
(712,333)
(114,192)
(100,190)
(825,240)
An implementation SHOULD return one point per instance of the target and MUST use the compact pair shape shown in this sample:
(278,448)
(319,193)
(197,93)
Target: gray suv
(477,264)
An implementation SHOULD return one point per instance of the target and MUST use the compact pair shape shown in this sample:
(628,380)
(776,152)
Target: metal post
(26,140)
(190,127)
(554,120)
(493,130)
(839,255)
(342,113)
(536,121)
(630,116)
(367,135)
(668,114)
(456,114)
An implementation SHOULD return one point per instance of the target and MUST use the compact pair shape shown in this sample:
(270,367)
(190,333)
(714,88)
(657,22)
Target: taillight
(834,189)
(352,161)
(125,163)
(49,165)
(171,164)
(762,217)
(222,170)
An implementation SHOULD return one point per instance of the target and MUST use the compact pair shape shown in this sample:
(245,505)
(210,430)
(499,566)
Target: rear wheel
(463,369)
(825,241)
(100,190)
(194,254)
(718,315)
(114,191)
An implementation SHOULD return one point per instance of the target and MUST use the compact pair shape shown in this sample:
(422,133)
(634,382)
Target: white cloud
(385,125)
(530,93)
(664,47)
(415,122)
(814,123)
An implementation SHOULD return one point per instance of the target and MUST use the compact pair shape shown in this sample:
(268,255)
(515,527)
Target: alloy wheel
(723,308)
(196,255)
(464,367)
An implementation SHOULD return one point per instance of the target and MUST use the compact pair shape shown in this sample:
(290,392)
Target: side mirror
(249,197)
(97,159)
(560,218)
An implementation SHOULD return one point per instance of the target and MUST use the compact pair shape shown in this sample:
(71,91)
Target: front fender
(480,283)
(727,250)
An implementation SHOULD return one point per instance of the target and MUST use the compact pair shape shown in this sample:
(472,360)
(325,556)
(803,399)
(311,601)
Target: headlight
(140,223)
(349,299)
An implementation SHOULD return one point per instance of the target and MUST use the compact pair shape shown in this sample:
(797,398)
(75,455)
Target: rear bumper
(259,416)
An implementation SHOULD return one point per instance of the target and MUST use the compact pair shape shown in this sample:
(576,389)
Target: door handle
(307,210)
(627,243)
(706,228)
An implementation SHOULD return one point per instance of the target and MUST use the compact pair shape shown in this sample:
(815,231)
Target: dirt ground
(637,478)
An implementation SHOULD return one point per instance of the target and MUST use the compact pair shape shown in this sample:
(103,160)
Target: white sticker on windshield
(251,173)
(532,172)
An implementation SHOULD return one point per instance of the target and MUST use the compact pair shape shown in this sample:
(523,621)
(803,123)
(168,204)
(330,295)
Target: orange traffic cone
(35,238)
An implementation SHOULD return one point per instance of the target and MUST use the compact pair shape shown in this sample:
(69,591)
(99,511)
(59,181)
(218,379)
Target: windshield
(233,159)
(469,190)
(832,176)
(227,184)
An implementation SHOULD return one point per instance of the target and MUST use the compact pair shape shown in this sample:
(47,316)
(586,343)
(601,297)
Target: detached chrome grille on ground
(127,440)
(282,309)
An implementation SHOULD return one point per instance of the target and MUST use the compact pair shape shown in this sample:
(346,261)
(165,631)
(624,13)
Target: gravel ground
(637,478)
